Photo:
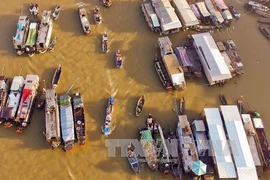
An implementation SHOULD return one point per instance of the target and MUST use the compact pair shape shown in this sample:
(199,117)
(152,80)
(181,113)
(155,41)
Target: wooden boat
(105,43)
(162,74)
(52,44)
(27,101)
(262,13)
(151,123)
(67,122)
(21,35)
(253,140)
(222,99)
(56,76)
(132,159)
(265,30)
(44,32)
(118,59)
(56,12)
(42,98)
(84,20)
(150,16)
(149,149)
(140,105)
(97,16)
(78,108)
(176,163)
(52,121)
(196,67)
(234,12)
(30,45)
(203,148)
(9,112)
(182,106)
(264,20)
(4,87)
(107,128)
(162,150)
(33,8)
(107,3)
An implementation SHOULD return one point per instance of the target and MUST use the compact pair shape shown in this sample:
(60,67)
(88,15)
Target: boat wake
(112,89)
(70,174)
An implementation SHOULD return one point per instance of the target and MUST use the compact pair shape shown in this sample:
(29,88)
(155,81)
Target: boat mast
(20,70)
(72,86)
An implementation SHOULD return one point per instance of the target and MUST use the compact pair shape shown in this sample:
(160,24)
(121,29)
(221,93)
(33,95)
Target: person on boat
(86,28)
(96,10)
(31,6)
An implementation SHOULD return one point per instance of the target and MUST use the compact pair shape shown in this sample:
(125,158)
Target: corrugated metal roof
(17,82)
(220,146)
(66,118)
(166,14)
(211,57)
(187,15)
(239,144)
(203,10)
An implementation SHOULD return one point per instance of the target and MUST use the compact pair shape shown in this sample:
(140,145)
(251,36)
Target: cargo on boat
(149,149)
(150,16)
(52,121)
(171,63)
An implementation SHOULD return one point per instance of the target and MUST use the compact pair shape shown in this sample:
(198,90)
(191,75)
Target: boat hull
(139,107)
(133,160)
(107,128)
(84,20)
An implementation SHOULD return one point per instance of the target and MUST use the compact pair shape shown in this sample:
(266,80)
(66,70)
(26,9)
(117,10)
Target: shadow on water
(74,26)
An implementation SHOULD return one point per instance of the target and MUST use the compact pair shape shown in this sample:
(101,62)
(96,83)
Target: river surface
(26,156)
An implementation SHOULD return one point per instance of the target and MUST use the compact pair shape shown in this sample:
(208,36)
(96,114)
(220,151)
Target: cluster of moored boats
(194,148)
(187,14)
(195,57)
(64,115)
(35,36)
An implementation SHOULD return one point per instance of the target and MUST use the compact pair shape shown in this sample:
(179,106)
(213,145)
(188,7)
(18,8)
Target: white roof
(210,56)
(202,8)
(243,159)
(154,19)
(258,123)
(33,25)
(166,14)
(187,15)
(220,4)
(227,14)
(17,83)
(220,147)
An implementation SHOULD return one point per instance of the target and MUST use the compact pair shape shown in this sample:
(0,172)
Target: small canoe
(132,159)
(234,12)
(52,44)
(97,16)
(107,3)
(56,76)
(56,12)
(118,59)
(140,105)
(105,44)
(182,106)
(84,20)
(223,99)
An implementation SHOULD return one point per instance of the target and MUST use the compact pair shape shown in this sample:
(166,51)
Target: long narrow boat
(52,121)
(27,101)
(264,20)
(176,163)
(56,12)
(107,128)
(105,43)
(67,122)
(30,45)
(265,30)
(162,74)
(78,108)
(42,97)
(186,143)
(162,150)
(9,112)
(52,44)
(118,59)
(44,32)
(4,87)
(132,159)
(149,150)
(21,35)
(223,99)
(139,106)
(56,76)
(203,148)
(84,20)
(252,140)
